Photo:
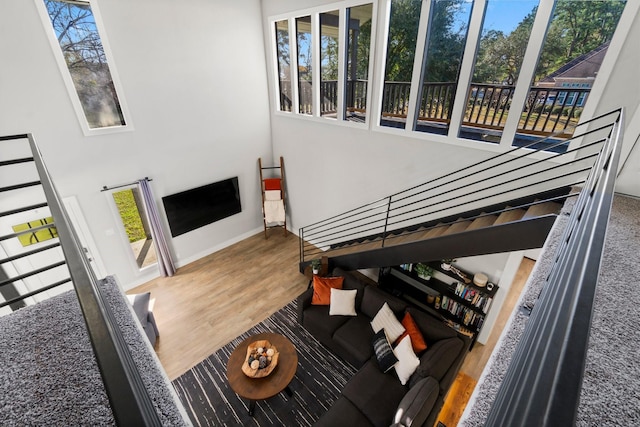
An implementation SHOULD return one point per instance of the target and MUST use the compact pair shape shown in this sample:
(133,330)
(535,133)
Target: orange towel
(272,184)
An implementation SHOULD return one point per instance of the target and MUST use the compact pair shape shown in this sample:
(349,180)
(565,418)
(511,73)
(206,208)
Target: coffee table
(263,388)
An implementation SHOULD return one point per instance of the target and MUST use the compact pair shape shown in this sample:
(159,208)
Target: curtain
(165,263)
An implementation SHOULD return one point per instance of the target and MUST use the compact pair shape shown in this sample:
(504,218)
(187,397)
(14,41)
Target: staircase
(504,203)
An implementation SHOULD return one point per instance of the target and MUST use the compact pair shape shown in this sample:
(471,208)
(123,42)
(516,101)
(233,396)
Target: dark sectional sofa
(372,397)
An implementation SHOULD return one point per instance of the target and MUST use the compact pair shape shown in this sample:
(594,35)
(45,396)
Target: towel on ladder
(273,211)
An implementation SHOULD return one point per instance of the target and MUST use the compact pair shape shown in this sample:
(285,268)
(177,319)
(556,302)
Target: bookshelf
(450,295)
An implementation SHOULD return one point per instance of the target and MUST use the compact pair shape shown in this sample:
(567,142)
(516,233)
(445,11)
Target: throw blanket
(273,211)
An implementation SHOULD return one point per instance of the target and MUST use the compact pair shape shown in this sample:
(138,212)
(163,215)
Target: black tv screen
(200,206)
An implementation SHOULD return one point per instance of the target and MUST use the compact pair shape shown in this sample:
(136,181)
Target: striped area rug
(209,401)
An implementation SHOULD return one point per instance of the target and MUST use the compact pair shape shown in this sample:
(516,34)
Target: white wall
(194,80)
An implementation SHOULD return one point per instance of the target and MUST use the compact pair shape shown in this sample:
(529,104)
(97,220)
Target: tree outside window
(75,29)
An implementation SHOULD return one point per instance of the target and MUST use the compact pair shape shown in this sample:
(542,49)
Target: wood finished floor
(213,300)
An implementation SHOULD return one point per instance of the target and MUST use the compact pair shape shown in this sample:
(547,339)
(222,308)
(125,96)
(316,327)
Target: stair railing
(543,382)
(128,397)
(519,172)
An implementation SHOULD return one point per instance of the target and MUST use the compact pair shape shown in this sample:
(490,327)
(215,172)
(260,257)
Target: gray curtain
(165,263)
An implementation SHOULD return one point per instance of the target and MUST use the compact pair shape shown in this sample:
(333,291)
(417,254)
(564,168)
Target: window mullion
(293,60)
(528,69)
(418,66)
(379,59)
(315,64)
(466,68)
(343,27)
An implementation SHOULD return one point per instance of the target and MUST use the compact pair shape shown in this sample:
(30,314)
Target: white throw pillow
(343,302)
(385,319)
(408,362)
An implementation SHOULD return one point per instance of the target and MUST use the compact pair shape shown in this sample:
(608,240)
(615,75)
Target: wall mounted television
(200,206)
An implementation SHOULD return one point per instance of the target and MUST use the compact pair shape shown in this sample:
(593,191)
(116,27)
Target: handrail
(460,189)
(543,382)
(129,399)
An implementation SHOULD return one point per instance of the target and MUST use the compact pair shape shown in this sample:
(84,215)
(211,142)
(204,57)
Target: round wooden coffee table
(262,388)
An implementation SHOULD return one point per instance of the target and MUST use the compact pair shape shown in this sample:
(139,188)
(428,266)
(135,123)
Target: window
(446,39)
(401,49)
(506,72)
(359,23)
(83,54)
(338,43)
(304,47)
(504,37)
(329,34)
(575,46)
(284,67)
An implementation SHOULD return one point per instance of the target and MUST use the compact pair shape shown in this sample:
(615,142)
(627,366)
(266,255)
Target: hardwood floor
(213,300)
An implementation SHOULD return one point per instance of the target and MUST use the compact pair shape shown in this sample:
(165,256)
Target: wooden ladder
(273,183)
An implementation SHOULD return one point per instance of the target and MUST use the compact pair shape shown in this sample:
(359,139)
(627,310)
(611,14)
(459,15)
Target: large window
(445,45)
(401,49)
(76,32)
(359,21)
(338,43)
(505,34)
(305,65)
(500,71)
(576,42)
(284,65)
(329,41)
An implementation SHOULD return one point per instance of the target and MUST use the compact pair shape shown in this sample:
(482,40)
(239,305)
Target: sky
(505,15)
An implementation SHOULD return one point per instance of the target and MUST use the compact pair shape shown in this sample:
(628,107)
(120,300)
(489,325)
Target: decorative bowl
(253,366)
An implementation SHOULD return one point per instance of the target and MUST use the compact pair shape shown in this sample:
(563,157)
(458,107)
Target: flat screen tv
(200,206)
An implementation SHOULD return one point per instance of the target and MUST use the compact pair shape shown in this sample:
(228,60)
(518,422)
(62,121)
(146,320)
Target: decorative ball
(262,362)
(255,364)
(270,352)
(260,350)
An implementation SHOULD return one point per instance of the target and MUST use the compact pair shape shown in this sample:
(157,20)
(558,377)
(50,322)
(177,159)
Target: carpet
(49,374)
(209,401)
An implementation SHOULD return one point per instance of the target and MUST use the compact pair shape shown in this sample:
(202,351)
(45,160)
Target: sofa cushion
(374,298)
(316,320)
(416,405)
(376,394)
(343,413)
(411,328)
(343,302)
(436,361)
(322,289)
(432,329)
(354,338)
(407,360)
(387,320)
(384,353)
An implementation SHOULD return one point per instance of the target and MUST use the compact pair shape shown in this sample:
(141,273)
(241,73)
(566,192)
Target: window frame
(377,61)
(315,12)
(66,75)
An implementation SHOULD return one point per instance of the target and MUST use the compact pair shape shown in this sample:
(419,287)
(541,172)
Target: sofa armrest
(304,301)
(417,404)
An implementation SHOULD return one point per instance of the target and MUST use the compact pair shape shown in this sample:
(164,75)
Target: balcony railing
(547,111)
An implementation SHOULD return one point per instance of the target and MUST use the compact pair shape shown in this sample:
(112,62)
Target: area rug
(209,401)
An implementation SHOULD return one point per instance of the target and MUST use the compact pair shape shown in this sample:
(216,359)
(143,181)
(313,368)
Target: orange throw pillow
(322,289)
(411,328)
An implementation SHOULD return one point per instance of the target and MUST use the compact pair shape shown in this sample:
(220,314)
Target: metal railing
(543,382)
(129,399)
(508,176)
